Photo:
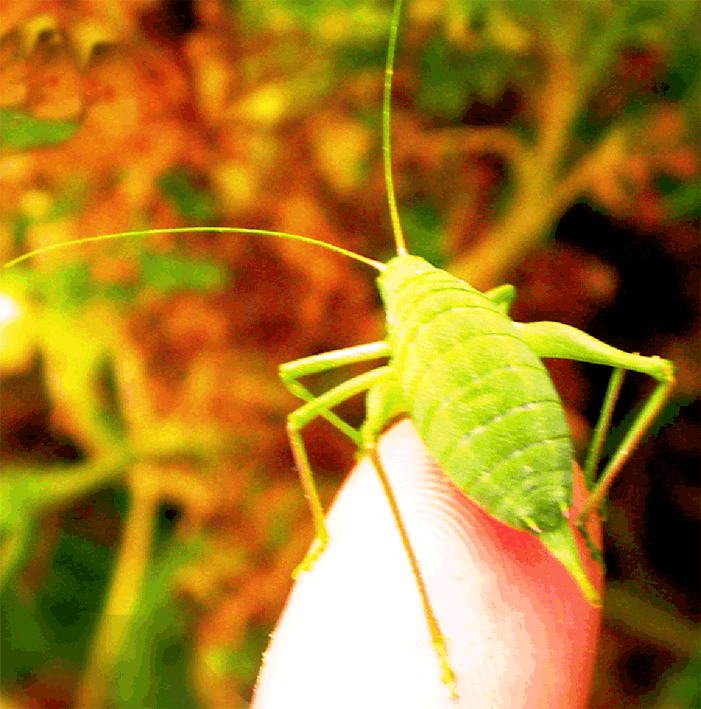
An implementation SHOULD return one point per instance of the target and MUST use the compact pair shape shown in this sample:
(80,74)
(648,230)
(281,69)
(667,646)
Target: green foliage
(25,640)
(424,232)
(68,289)
(21,131)
(151,672)
(355,57)
(244,663)
(311,12)
(504,47)
(171,272)
(506,38)
(80,571)
(57,622)
(71,288)
(191,201)
(682,688)
(444,83)
(682,79)
(27,493)
(682,199)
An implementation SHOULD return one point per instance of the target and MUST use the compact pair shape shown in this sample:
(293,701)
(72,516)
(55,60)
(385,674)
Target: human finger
(518,631)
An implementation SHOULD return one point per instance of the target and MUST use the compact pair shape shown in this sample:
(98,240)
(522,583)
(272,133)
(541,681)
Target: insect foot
(310,558)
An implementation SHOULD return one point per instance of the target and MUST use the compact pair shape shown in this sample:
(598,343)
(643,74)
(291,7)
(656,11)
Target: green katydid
(473,382)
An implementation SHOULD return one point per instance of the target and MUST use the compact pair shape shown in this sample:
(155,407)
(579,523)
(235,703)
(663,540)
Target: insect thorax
(480,398)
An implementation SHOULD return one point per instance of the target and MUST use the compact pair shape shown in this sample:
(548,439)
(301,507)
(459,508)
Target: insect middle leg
(548,339)
(385,401)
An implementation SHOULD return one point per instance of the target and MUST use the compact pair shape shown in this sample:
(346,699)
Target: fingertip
(518,630)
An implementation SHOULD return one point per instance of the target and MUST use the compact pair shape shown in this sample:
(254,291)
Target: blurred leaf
(424,232)
(152,671)
(491,73)
(445,87)
(354,13)
(74,351)
(20,131)
(684,201)
(71,595)
(29,491)
(243,663)
(169,272)
(24,644)
(682,690)
(191,201)
(683,75)
(354,57)
(70,199)
(68,288)
(17,326)
(15,549)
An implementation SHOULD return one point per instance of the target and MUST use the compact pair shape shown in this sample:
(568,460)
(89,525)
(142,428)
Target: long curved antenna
(182,230)
(386,147)
(387,153)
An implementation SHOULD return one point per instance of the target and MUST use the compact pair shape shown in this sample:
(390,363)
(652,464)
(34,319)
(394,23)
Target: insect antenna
(386,142)
(387,154)
(187,230)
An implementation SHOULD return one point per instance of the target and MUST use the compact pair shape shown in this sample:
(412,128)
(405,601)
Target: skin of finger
(353,633)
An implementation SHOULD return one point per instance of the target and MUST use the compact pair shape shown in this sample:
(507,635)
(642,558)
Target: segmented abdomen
(481,400)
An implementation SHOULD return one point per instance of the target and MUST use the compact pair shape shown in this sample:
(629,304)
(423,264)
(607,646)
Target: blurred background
(150,511)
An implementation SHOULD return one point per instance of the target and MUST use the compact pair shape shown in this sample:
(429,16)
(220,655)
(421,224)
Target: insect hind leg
(594,454)
(603,425)
(548,339)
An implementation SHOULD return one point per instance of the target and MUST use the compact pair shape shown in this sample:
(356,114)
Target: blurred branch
(543,187)
(28,492)
(625,607)
(124,591)
(536,175)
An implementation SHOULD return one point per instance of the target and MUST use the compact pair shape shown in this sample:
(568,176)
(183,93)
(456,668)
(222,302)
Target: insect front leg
(548,339)
(321,406)
(290,372)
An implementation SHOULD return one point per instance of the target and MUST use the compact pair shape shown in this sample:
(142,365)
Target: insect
(474,385)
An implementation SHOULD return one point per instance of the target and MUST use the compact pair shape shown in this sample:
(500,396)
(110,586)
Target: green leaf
(445,87)
(682,79)
(169,272)
(681,688)
(244,662)
(152,670)
(21,131)
(71,596)
(424,233)
(684,200)
(69,288)
(27,492)
(24,639)
(191,201)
